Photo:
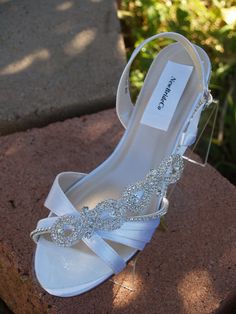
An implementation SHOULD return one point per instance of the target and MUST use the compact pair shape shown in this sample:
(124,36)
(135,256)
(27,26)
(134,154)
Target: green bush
(210,24)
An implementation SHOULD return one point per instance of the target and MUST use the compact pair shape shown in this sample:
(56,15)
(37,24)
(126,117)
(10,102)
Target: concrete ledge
(189,268)
(58,59)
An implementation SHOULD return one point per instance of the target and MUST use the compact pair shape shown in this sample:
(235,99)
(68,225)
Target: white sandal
(98,221)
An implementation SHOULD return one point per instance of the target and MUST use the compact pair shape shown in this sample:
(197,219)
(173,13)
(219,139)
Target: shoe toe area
(66,271)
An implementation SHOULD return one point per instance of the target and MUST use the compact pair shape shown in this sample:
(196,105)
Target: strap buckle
(208,99)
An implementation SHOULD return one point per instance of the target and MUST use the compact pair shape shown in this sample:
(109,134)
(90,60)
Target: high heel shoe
(98,221)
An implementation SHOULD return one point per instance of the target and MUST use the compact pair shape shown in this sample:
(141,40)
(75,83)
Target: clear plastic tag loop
(206,127)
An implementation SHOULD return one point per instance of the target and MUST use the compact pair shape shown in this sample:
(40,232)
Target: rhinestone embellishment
(66,230)
(111,214)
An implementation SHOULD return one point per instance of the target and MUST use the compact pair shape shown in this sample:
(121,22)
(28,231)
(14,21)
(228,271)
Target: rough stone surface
(58,59)
(189,268)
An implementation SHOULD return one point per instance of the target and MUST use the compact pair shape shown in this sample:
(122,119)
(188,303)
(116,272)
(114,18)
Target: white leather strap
(124,105)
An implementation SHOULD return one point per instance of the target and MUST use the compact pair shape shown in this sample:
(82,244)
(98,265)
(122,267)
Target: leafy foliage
(210,24)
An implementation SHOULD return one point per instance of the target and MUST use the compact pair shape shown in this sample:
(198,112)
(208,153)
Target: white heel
(98,221)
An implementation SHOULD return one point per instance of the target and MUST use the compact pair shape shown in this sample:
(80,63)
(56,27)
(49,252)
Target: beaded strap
(112,214)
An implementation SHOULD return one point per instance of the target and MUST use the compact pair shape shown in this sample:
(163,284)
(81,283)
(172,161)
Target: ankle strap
(124,105)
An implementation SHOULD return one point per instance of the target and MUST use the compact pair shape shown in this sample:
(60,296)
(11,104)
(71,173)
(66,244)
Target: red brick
(189,268)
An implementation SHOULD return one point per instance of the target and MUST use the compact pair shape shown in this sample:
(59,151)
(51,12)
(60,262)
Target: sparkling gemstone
(67,230)
(111,214)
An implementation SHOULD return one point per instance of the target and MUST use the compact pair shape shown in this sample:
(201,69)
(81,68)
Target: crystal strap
(77,230)
(111,214)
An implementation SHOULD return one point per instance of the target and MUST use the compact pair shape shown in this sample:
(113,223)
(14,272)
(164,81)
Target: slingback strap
(124,105)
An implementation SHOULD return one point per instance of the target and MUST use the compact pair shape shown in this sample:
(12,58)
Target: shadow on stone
(58,59)
(4,309)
